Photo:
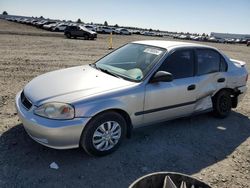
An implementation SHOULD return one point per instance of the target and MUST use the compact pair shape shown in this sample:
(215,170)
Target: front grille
(26,103)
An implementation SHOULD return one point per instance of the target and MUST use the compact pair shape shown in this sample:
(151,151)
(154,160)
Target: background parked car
(104,29)
(230,41)
(60,27)
(184,37)
(32,22)
(41,23)
(148,33)
(90,27)
(122,31)
(79,31)
(50,26)
(214,39)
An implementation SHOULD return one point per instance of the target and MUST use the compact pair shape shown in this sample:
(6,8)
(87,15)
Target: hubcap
(224,104)
(106,136)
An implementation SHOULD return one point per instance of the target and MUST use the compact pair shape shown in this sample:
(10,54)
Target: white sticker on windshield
(152,51)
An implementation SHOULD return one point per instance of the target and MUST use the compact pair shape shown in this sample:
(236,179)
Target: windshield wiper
(108,72)
(93,65)
(104,70)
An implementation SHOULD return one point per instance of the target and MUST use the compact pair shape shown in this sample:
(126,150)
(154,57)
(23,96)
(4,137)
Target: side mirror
(162,76)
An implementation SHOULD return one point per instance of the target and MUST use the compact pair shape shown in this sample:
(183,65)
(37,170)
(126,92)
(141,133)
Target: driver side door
(168,100)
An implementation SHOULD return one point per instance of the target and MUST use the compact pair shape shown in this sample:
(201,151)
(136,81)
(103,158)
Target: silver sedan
(95,106)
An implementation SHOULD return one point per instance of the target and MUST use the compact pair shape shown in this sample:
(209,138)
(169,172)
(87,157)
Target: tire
(68,35)
(95,141)
(86,37)
(222,104)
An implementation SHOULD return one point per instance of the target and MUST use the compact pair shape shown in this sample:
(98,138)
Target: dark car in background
(79,31)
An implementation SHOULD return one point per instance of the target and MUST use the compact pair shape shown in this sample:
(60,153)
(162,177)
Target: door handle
(191,87)
(221,80)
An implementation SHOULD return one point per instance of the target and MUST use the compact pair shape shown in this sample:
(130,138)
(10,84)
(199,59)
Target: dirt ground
(216,151)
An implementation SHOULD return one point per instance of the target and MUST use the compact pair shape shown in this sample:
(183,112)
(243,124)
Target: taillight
(246,77)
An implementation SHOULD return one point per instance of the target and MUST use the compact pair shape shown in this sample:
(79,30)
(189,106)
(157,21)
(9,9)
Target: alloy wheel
(106,136)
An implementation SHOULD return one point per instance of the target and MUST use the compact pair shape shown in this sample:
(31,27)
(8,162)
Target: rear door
(79,31)
(73,30)
(167,100)
(211,70)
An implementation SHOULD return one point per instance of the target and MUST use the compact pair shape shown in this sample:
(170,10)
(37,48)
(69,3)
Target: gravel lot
(216,151)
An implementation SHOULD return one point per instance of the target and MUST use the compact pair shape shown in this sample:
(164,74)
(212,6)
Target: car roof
(169,44)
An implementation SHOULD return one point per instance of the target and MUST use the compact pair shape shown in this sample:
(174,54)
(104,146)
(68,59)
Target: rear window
(223,65)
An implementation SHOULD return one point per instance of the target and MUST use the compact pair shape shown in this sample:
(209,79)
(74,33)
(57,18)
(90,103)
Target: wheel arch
(124,114)
(126,117)
(234,96)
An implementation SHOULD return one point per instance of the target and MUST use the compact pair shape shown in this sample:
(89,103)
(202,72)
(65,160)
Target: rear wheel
(103,134)
(86,37)
(222,104)
(68,35)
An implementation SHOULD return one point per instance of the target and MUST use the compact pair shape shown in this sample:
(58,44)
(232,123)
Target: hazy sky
(231,16)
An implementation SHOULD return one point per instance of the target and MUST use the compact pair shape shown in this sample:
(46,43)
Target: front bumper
(94,36)
(58,134)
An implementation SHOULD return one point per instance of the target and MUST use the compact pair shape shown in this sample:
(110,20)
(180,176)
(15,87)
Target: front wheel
(103,134)
(222,104)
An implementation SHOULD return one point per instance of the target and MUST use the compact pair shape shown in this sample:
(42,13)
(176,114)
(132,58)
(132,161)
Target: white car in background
(122,31)
(104,29)
(90,27)
(148,33)
(216,39)
(60,27)
(50,26)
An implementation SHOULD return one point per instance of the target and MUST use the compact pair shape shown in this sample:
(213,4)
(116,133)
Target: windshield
(83,27)
(132,61)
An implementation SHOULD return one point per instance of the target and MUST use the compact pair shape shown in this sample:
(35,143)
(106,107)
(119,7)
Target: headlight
(56,111)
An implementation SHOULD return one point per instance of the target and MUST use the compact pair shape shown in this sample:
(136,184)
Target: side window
(180,64)
(223,65)
(208,61)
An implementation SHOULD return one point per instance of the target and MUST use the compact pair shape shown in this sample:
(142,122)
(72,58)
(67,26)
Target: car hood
(71,84)
(88,30)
